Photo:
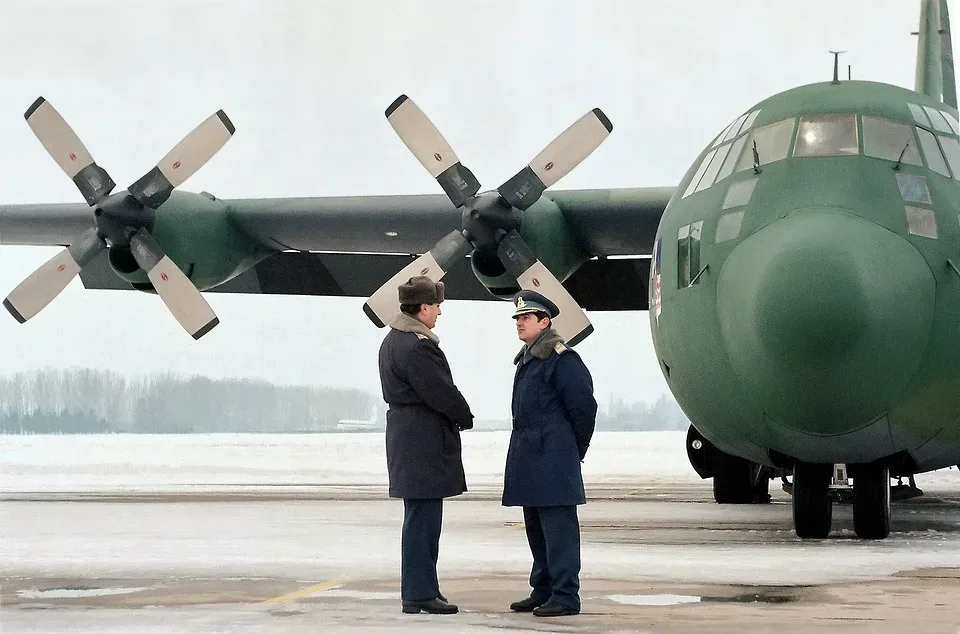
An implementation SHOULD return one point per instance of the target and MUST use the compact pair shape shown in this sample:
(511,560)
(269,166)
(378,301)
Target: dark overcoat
(554,415)
(426,414)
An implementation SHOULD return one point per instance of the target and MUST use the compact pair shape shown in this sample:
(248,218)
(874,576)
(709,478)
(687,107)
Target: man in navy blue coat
(554,414)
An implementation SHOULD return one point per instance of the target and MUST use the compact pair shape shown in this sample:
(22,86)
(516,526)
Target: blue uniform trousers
(419,548)
(553,533)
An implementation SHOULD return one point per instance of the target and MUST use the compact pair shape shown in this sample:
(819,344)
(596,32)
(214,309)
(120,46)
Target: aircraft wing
(607,221)
(348,246)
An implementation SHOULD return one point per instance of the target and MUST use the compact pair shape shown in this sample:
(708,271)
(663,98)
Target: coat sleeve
(573,381)
(431,380)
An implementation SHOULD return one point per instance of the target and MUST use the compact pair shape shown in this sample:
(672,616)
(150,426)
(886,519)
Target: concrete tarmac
(656,558)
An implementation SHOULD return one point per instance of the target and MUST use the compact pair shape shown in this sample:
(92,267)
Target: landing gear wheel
(871,501)
(740,481)
(733,480)
(812,504)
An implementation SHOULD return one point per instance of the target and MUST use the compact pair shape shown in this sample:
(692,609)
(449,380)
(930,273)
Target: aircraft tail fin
(935,74)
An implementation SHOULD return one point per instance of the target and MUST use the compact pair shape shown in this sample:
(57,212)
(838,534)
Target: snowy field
(140,462)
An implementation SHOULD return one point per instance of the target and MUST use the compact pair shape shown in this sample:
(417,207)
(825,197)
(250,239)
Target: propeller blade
(68,151)
(423,139)
(153,188)
(48,281)
(182,298)
(562,155)
(572,323)
(384,304)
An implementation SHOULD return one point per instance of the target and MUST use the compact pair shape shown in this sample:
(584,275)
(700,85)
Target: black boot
(552,608)
(430,606)
(527,605)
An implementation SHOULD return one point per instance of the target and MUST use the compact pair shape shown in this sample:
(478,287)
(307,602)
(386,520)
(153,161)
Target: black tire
(871,501)
(733,480)
(812,504)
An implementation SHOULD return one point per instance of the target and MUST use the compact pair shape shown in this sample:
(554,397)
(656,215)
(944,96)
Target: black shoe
(430,606)
(527,605)
(552,608)
(441,597)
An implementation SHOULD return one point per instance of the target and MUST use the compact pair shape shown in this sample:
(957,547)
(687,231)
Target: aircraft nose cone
(825,317)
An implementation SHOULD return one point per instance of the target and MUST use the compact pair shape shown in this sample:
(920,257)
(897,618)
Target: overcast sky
(306,84)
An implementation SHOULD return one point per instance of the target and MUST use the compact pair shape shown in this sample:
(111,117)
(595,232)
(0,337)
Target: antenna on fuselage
(836,65)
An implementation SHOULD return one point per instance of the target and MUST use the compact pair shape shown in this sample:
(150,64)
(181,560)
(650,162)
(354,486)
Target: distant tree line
(664,414)
(77,401)
(93,401)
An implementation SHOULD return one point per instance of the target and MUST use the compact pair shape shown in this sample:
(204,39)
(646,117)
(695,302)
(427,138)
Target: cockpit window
(723,134)
(772,144)
(939,123)
(749,122)
(952,120)
(887,139)
(732,157)
(735,128)
(918,114)
(715,164)
(931,152)
(827,135)
(951,148)
(740,125)
(699,173)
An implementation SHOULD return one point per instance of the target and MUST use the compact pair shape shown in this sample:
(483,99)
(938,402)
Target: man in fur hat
(426,414)
(554,414)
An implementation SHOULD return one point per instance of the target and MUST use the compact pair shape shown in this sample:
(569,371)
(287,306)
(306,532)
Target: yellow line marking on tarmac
(305,592)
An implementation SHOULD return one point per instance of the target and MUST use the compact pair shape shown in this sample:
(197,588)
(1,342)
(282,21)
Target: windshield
(827,135)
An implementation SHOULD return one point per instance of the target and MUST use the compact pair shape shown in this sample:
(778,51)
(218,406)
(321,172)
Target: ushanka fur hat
(421,290)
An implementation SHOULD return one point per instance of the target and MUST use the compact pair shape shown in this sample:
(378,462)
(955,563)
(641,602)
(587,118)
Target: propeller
(490,220)
(122,221)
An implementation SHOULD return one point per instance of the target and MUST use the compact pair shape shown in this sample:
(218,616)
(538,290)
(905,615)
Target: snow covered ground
(140,462)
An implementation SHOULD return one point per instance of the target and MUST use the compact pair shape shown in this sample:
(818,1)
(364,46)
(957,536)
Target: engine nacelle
(544,228)
(195,232)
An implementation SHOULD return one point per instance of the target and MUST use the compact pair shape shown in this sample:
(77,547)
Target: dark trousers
(553,533)
(419,548)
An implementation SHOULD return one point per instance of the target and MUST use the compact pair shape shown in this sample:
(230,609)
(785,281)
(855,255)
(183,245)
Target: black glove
(465,425)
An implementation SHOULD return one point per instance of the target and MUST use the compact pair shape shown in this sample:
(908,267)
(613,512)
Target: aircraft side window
(827,135)
(683,257)
(939,123)
(704,164)
(732,157)
(773,144)
(918,114)
(714,167)
(931,152)
(921,222)
(695,231)
(913,188)
(951,147)
(887,139)
(688,253)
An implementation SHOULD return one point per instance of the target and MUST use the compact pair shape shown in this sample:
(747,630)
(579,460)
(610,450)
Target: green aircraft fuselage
(805,289)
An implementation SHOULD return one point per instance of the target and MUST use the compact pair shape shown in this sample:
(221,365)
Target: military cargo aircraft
(802,279)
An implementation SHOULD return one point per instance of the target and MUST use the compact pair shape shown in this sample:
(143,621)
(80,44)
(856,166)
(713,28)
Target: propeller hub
(487,218)
(119,216)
